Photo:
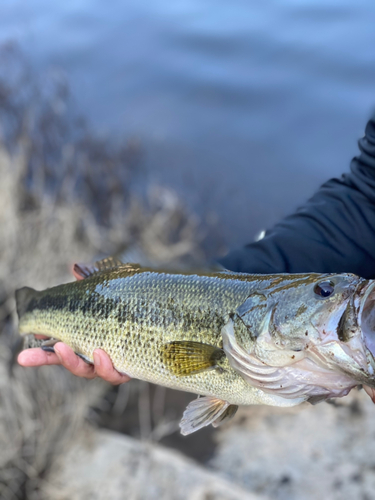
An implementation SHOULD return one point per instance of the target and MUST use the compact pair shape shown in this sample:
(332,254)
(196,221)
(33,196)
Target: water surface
(244,108)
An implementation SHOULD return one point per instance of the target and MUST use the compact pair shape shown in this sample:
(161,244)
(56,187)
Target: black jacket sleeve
(333,232)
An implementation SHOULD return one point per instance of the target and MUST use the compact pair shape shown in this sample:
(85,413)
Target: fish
(231,338)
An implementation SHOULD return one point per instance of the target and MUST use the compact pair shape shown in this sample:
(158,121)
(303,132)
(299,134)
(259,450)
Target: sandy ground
(307,453)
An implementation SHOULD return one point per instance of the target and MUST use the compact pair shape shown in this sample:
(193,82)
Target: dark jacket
(333,232)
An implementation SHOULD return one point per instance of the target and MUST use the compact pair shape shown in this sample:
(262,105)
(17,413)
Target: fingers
(104,369)
(74,363)
(63,355)
(66,357)
(37,357)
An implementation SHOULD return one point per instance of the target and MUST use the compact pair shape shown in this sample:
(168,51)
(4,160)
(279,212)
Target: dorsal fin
(82,271)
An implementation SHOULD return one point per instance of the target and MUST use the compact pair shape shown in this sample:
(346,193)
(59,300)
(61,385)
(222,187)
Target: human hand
(66,357)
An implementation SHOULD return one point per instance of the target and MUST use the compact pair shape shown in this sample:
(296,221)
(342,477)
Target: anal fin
(49,345)
(85,358)
(204,411)
(184,358)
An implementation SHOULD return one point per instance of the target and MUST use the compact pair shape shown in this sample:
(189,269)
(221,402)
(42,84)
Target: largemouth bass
(232,338)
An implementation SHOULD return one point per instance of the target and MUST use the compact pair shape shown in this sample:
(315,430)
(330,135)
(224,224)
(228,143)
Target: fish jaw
(366,320)
(350,347)
(338,355)
(298,381)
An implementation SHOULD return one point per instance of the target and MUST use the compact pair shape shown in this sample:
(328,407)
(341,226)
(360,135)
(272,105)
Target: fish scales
(230,337)
(132,316)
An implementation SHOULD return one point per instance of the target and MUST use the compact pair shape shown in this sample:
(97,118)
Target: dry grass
(41,412)
(65,196)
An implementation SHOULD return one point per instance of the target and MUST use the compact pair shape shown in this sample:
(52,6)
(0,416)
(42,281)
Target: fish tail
(24,296)
(15,349)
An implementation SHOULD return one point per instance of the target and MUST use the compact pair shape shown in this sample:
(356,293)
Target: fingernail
(96,359)
(58,354)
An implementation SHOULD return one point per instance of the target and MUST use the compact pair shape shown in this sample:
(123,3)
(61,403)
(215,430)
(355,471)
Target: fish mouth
(366,317)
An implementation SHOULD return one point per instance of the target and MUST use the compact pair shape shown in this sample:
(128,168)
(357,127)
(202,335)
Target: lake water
(243,107)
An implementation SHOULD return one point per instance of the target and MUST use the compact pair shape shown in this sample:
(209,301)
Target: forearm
(333,232)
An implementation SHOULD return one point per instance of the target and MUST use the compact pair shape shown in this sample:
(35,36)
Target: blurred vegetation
(65,196)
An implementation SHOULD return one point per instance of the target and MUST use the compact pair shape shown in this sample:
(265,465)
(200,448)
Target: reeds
(65,196)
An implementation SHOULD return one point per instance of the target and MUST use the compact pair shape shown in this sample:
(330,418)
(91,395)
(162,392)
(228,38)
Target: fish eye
(324,289)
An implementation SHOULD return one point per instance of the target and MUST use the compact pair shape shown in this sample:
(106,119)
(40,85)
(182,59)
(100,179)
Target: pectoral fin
(205,411)
(188,358)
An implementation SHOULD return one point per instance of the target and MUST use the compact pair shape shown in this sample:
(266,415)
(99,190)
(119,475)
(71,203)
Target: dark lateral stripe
(47,302)
(94,305)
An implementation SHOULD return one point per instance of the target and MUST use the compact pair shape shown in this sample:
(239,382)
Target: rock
(105,465)
(302,453)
